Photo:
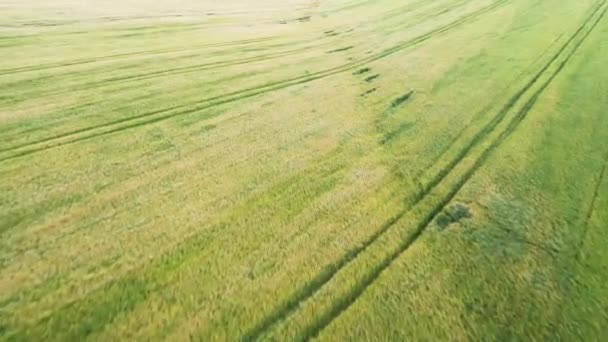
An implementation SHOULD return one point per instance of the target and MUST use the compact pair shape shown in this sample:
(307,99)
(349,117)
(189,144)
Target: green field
(309,169)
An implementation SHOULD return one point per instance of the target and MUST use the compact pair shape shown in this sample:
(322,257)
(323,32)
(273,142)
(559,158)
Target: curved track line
(167,113)
(131,54)
(371,58)
(328,273)
(39,67)
(214,65)
(495,101)
(591,209)
(346,301)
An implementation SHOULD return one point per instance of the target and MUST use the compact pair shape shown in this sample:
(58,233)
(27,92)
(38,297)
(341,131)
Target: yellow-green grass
(340,169)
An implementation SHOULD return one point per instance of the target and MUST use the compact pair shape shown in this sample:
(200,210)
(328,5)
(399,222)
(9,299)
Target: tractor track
(591,209)
(41,67)
(347,67)
(346,301)
(194,48)
(329,272)
(319,281)
(494,102)
(221,64)
(167,113)
(179,71)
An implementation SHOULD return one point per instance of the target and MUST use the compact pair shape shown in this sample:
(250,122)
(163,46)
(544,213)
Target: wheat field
(308,169)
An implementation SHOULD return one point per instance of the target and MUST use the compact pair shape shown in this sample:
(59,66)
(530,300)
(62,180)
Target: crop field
(308,169)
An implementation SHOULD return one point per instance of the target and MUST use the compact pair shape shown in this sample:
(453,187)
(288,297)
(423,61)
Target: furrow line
(149,52)
(200,67)
(498,118)
(176,71)
(308,290)
(591,209)
(489,106)
(346,301)
(131,54)
(235,96)
(184,252)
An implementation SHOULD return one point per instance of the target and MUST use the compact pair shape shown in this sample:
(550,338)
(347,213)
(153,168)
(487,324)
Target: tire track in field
(489,106)
(132,54)
(429,14)
(221,64)
(328,272)
(102,69)
(324,277)
(160,73)
(498,118)
(174,111)
(234,62)
(463,183)
(46,66)
(181,70)
(489,127)
(346,301)
(591,209)
(269,56)
(183,252)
